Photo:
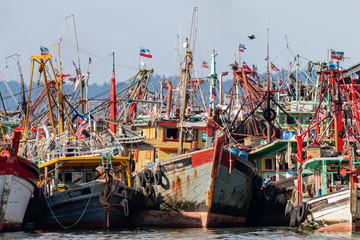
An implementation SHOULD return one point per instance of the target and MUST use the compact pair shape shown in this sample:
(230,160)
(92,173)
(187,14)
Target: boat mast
(113,98)
(82,108)
(213,78)
(184,95)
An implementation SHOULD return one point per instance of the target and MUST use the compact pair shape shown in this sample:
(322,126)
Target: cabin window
(191,134)
(88,176)
(269,164)
(171,133)
(68,178)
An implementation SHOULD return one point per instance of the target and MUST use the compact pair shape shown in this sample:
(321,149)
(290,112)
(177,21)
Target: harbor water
(230,233)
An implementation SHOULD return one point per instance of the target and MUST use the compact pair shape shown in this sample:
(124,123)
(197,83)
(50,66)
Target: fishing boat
(18,177)
(78,196)
(205,188)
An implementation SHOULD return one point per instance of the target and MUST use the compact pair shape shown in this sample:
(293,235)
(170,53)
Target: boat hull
(87,208)
(18,178)
(330,208)
(15,196)
(206,188)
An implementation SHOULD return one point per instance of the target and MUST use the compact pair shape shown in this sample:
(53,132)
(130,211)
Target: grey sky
(105,26)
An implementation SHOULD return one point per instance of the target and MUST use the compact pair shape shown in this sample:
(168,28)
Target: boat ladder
(106,161)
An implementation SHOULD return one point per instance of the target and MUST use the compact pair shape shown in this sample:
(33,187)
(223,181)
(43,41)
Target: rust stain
(167,198)
(195,173)
(233,193)
(178,188)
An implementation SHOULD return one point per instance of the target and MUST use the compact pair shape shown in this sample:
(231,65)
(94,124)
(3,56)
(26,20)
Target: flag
(84,125)
(337,55)
(236,64)
(244,65)
(205,64)
(335,66)
(354,75)
(213,96)
(274,68)
(242,47)
(322,113)
(44,50)
(145,52)
(254,67)
(90,61)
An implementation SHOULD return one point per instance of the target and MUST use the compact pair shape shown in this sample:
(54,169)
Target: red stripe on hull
(202,158)
(157,218)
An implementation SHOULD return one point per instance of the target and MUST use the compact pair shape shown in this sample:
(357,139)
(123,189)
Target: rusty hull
(206,188)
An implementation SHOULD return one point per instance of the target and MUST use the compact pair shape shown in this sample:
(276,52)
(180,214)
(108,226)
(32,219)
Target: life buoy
(264,132)
(149,191)
(158,177)
(149,176)
(293,217)
(136,155)
(141,179)
(302,212)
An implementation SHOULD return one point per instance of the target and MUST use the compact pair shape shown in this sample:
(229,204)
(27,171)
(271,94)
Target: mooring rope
(82,214)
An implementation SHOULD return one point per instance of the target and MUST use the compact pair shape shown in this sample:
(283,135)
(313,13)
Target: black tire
(288,209)
(149,191)
(158,177)
(269,192)
(141,179)
(302,212)
(149,176)
(269,114)
(293,217)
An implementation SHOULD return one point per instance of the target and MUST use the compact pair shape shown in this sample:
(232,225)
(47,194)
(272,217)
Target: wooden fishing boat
(76,195)
(18,178)
(205,188)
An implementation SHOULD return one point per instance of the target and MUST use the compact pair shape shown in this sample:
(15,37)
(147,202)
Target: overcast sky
(312,27)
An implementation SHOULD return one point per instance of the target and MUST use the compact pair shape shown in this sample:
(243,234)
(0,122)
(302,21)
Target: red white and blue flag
(44,50)
(337,55)
(205,64)
(242,47)
(145,52)
(322,113)
(244,65)
(213,96)
(84,125)
(274,68)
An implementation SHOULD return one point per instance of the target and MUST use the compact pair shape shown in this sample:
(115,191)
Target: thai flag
(145,52)
(242,47)
(274,68)
(205,64)
(244,65)
(213,96)
(337,55)
(44,50)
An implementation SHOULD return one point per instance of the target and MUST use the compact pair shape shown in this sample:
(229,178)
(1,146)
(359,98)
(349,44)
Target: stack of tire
(297,213)
(147,179)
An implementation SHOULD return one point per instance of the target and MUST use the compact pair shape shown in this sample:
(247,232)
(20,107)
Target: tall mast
(184,95)
(113,98)
(213,78)
(82,110)
(60,95)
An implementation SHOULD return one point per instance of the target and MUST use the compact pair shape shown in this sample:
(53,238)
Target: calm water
(233,233)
